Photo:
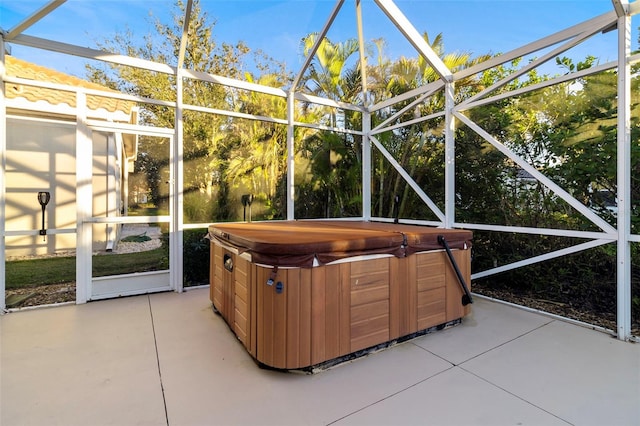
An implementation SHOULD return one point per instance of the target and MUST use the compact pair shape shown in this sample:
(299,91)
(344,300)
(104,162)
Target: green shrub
(195,257)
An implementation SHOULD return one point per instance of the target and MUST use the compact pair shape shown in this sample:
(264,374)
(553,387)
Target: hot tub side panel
(307,321)
(230,292)
(369,310)
(425,291)
(242,300)
(430,289)
(216,278)
(322,313)
(402,297)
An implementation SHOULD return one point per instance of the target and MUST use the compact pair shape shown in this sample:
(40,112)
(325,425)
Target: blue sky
(276,27)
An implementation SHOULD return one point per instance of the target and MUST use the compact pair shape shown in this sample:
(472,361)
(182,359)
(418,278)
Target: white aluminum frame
(619,16)
(3,165)
(623,251)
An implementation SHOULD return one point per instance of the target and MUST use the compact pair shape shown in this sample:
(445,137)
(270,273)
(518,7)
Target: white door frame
(88,287)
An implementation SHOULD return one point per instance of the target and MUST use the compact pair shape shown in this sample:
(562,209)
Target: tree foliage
(211,149)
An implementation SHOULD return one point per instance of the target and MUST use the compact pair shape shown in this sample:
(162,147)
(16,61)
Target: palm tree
(334,158)
(326,76)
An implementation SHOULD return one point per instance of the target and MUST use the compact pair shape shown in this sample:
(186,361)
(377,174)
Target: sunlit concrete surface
(168,359)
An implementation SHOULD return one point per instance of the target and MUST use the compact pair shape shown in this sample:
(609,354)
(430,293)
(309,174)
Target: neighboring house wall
(41,157)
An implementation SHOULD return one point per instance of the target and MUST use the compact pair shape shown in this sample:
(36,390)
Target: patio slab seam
(155,343)
(434,354)
(515,395)
(501,344)
(391,395)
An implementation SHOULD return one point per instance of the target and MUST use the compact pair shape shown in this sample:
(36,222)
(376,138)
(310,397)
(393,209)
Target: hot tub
(300,294)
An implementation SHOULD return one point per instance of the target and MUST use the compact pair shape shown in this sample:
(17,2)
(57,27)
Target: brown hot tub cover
(301,243)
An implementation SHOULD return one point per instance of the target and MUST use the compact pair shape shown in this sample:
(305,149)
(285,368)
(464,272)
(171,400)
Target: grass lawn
(58,270)
(147,210)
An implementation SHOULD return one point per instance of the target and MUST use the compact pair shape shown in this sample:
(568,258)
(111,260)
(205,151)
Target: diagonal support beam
(584,210)
(541,258)
(314,49)
(412,183)
(532,65)
(621,7)
(532,88)
(414,37)
(38,15)
(185,34)
(363,53)
(413,104)
(593,25)
(427,88)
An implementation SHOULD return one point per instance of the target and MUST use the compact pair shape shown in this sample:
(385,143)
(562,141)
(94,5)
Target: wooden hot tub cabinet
(375,283)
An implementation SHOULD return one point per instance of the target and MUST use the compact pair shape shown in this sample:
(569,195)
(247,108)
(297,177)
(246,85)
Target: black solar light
(43,199)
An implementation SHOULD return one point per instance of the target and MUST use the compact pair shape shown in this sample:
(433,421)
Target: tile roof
(22,69)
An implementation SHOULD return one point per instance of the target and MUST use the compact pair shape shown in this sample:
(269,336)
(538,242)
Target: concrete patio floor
(167,359)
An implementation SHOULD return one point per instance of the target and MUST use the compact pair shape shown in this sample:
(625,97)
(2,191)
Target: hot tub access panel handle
(466,297)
